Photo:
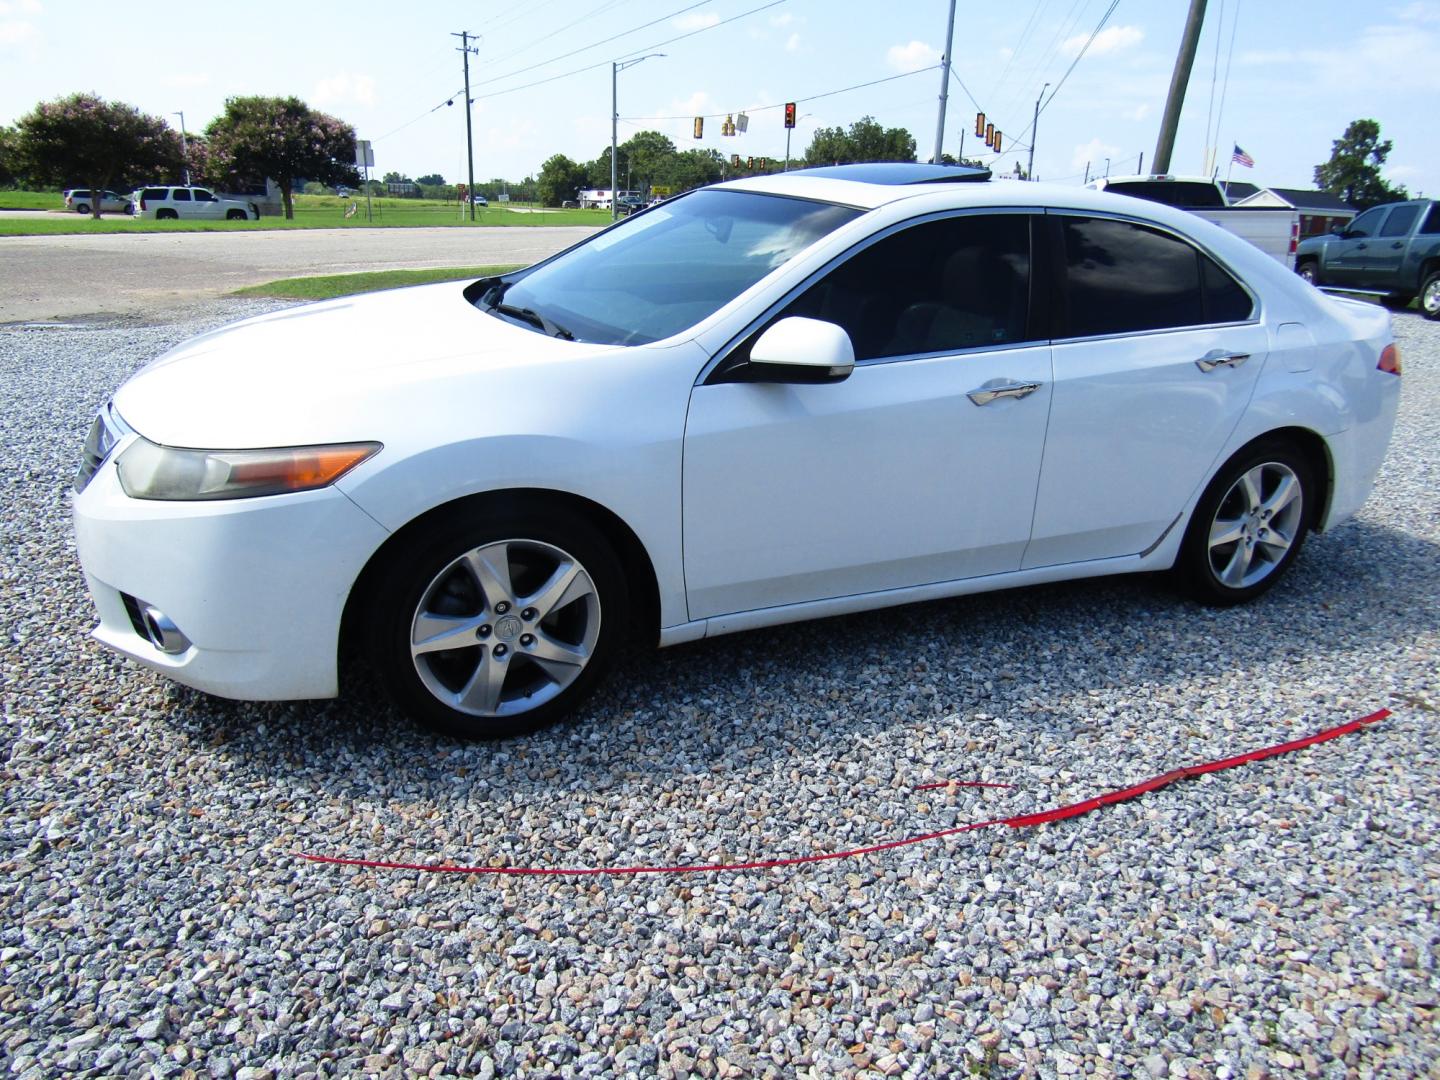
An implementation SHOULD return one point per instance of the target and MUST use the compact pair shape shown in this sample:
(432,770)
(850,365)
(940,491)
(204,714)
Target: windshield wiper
(534,318)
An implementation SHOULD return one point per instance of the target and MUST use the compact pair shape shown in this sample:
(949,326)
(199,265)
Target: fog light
(162,631)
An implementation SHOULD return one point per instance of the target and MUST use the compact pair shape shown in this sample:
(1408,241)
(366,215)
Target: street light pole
(617,66)
(1034,127)
(184,148)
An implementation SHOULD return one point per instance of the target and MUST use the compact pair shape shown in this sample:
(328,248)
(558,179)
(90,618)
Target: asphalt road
(60,277)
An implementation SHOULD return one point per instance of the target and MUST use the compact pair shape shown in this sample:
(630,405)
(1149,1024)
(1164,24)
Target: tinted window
(1122,277)
(201,195)
(180,195)
(1181,193)
(959,283)
(1225,300)
(1399,221)
(155,193)
(1367,223)
(1432,221)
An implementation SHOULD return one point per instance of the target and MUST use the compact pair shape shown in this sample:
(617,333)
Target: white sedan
(779,398)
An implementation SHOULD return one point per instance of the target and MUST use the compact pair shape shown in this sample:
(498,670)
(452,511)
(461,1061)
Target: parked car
(82,201)
(479,200)
(191,203)
(783,397)
(1391,252)
(1274,230)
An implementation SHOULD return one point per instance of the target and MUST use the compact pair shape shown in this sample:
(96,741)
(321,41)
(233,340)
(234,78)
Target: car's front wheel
(498,623)
(1249,525)
(1309,269)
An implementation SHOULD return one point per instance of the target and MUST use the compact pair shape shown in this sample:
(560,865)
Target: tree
(865,141)
(98,144)
(10,171)
(431,180)
(560,179)
(283,139)
(1353,171)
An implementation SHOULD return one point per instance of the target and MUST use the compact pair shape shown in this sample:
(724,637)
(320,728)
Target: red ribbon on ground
(1021,821)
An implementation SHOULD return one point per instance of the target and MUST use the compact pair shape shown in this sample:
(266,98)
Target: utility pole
(184,148)
(617,66)
(944,85)
(465,50)
(1035,127)
(1184,61)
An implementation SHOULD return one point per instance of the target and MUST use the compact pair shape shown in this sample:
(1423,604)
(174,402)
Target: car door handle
(1360,247)
(986,395)
(1398,244)
(1220,358)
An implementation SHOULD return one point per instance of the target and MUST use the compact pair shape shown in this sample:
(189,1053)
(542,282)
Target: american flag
(1242,158)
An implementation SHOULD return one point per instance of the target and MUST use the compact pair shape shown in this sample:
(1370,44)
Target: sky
(1279,79)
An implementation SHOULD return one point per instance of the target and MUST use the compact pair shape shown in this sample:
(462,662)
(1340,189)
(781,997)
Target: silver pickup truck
(1391,252)
(1274,231)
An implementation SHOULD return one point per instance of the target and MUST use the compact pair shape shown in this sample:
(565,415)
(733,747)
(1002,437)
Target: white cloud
(19,7)
(16,32)
(912,57)
(696,20)
(782,21)
(1420,12)
(1111,39)
(1095,152)
(792,43)
(1140,112)
(345,89)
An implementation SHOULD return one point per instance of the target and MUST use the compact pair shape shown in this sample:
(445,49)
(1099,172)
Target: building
(1319,210)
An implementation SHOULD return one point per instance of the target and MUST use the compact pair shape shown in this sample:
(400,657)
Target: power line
(797,101)
(552,35)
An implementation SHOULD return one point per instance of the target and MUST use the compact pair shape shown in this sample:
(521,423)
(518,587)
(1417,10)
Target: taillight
(142,205)
(1294,236)
(1390,360)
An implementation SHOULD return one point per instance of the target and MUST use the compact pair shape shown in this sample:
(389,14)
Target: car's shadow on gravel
(1026,660)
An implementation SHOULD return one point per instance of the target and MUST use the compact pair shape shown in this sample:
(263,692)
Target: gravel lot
(1277,918)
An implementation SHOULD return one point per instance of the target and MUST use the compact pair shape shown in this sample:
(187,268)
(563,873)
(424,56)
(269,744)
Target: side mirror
(799,350)
(1337,230)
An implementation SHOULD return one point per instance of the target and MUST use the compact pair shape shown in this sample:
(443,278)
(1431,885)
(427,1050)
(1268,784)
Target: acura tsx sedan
(773,399)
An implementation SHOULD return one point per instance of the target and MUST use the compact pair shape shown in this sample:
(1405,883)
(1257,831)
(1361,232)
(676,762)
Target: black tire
(1309,269)
(236,215)
(428,574)
(1254,560)
(166,215)
(82,208)
(1397,301)
(1430,296)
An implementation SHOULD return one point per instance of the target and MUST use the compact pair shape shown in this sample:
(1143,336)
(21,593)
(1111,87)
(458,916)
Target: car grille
(105,432)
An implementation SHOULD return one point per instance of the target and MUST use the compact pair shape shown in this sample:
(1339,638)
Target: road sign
(364,155)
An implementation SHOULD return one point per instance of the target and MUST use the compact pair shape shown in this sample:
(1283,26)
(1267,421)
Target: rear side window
(1432,221)
(1122,277)
(940,286)
(180,195)
(157,193)
(1399,221)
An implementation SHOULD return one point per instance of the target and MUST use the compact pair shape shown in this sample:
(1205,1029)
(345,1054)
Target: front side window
(1122,277)
(940,286)
(660,272)
(1366,223)
(201,195)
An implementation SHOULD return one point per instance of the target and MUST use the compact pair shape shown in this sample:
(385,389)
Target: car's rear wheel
(236,215)
(496,625)
(82,208)
(1249,525)
(166,215)
(1430,296)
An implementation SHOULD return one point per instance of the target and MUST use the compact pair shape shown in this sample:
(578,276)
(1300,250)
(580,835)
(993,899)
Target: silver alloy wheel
(505,627)
(1307,272)
(1430,298)
(1255,525)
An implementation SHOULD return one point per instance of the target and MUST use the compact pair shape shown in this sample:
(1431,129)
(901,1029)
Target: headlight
(150,471)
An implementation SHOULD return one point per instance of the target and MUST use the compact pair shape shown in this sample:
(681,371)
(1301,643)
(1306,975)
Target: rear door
(1157,350)
(180,200)
(1387,251)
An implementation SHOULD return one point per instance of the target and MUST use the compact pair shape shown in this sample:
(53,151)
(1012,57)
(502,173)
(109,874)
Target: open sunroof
(897,173)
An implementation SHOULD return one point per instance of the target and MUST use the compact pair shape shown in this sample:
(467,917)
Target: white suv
(161,203)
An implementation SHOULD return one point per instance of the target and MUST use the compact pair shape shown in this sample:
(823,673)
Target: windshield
(656,274)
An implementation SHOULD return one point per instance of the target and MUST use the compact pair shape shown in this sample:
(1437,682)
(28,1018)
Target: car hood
(342,370)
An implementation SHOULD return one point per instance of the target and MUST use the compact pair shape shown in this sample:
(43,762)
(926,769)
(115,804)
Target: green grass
(311,212)
(330,286)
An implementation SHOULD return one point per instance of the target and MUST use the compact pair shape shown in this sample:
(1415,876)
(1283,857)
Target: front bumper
(258,586)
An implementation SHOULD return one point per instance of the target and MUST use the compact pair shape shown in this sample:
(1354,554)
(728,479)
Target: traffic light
(989,134)
(999,135)
(763,163)
(699,127)
(734,161)
(750,164)
(790,114)
(979,124)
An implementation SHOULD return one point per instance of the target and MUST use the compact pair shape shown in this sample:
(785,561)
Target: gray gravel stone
(1280,917)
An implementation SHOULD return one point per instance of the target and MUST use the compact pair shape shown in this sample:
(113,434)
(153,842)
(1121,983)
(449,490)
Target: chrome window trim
(723,353)
(1257,311)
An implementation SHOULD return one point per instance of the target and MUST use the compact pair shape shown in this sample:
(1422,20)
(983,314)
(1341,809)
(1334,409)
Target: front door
(912,471)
